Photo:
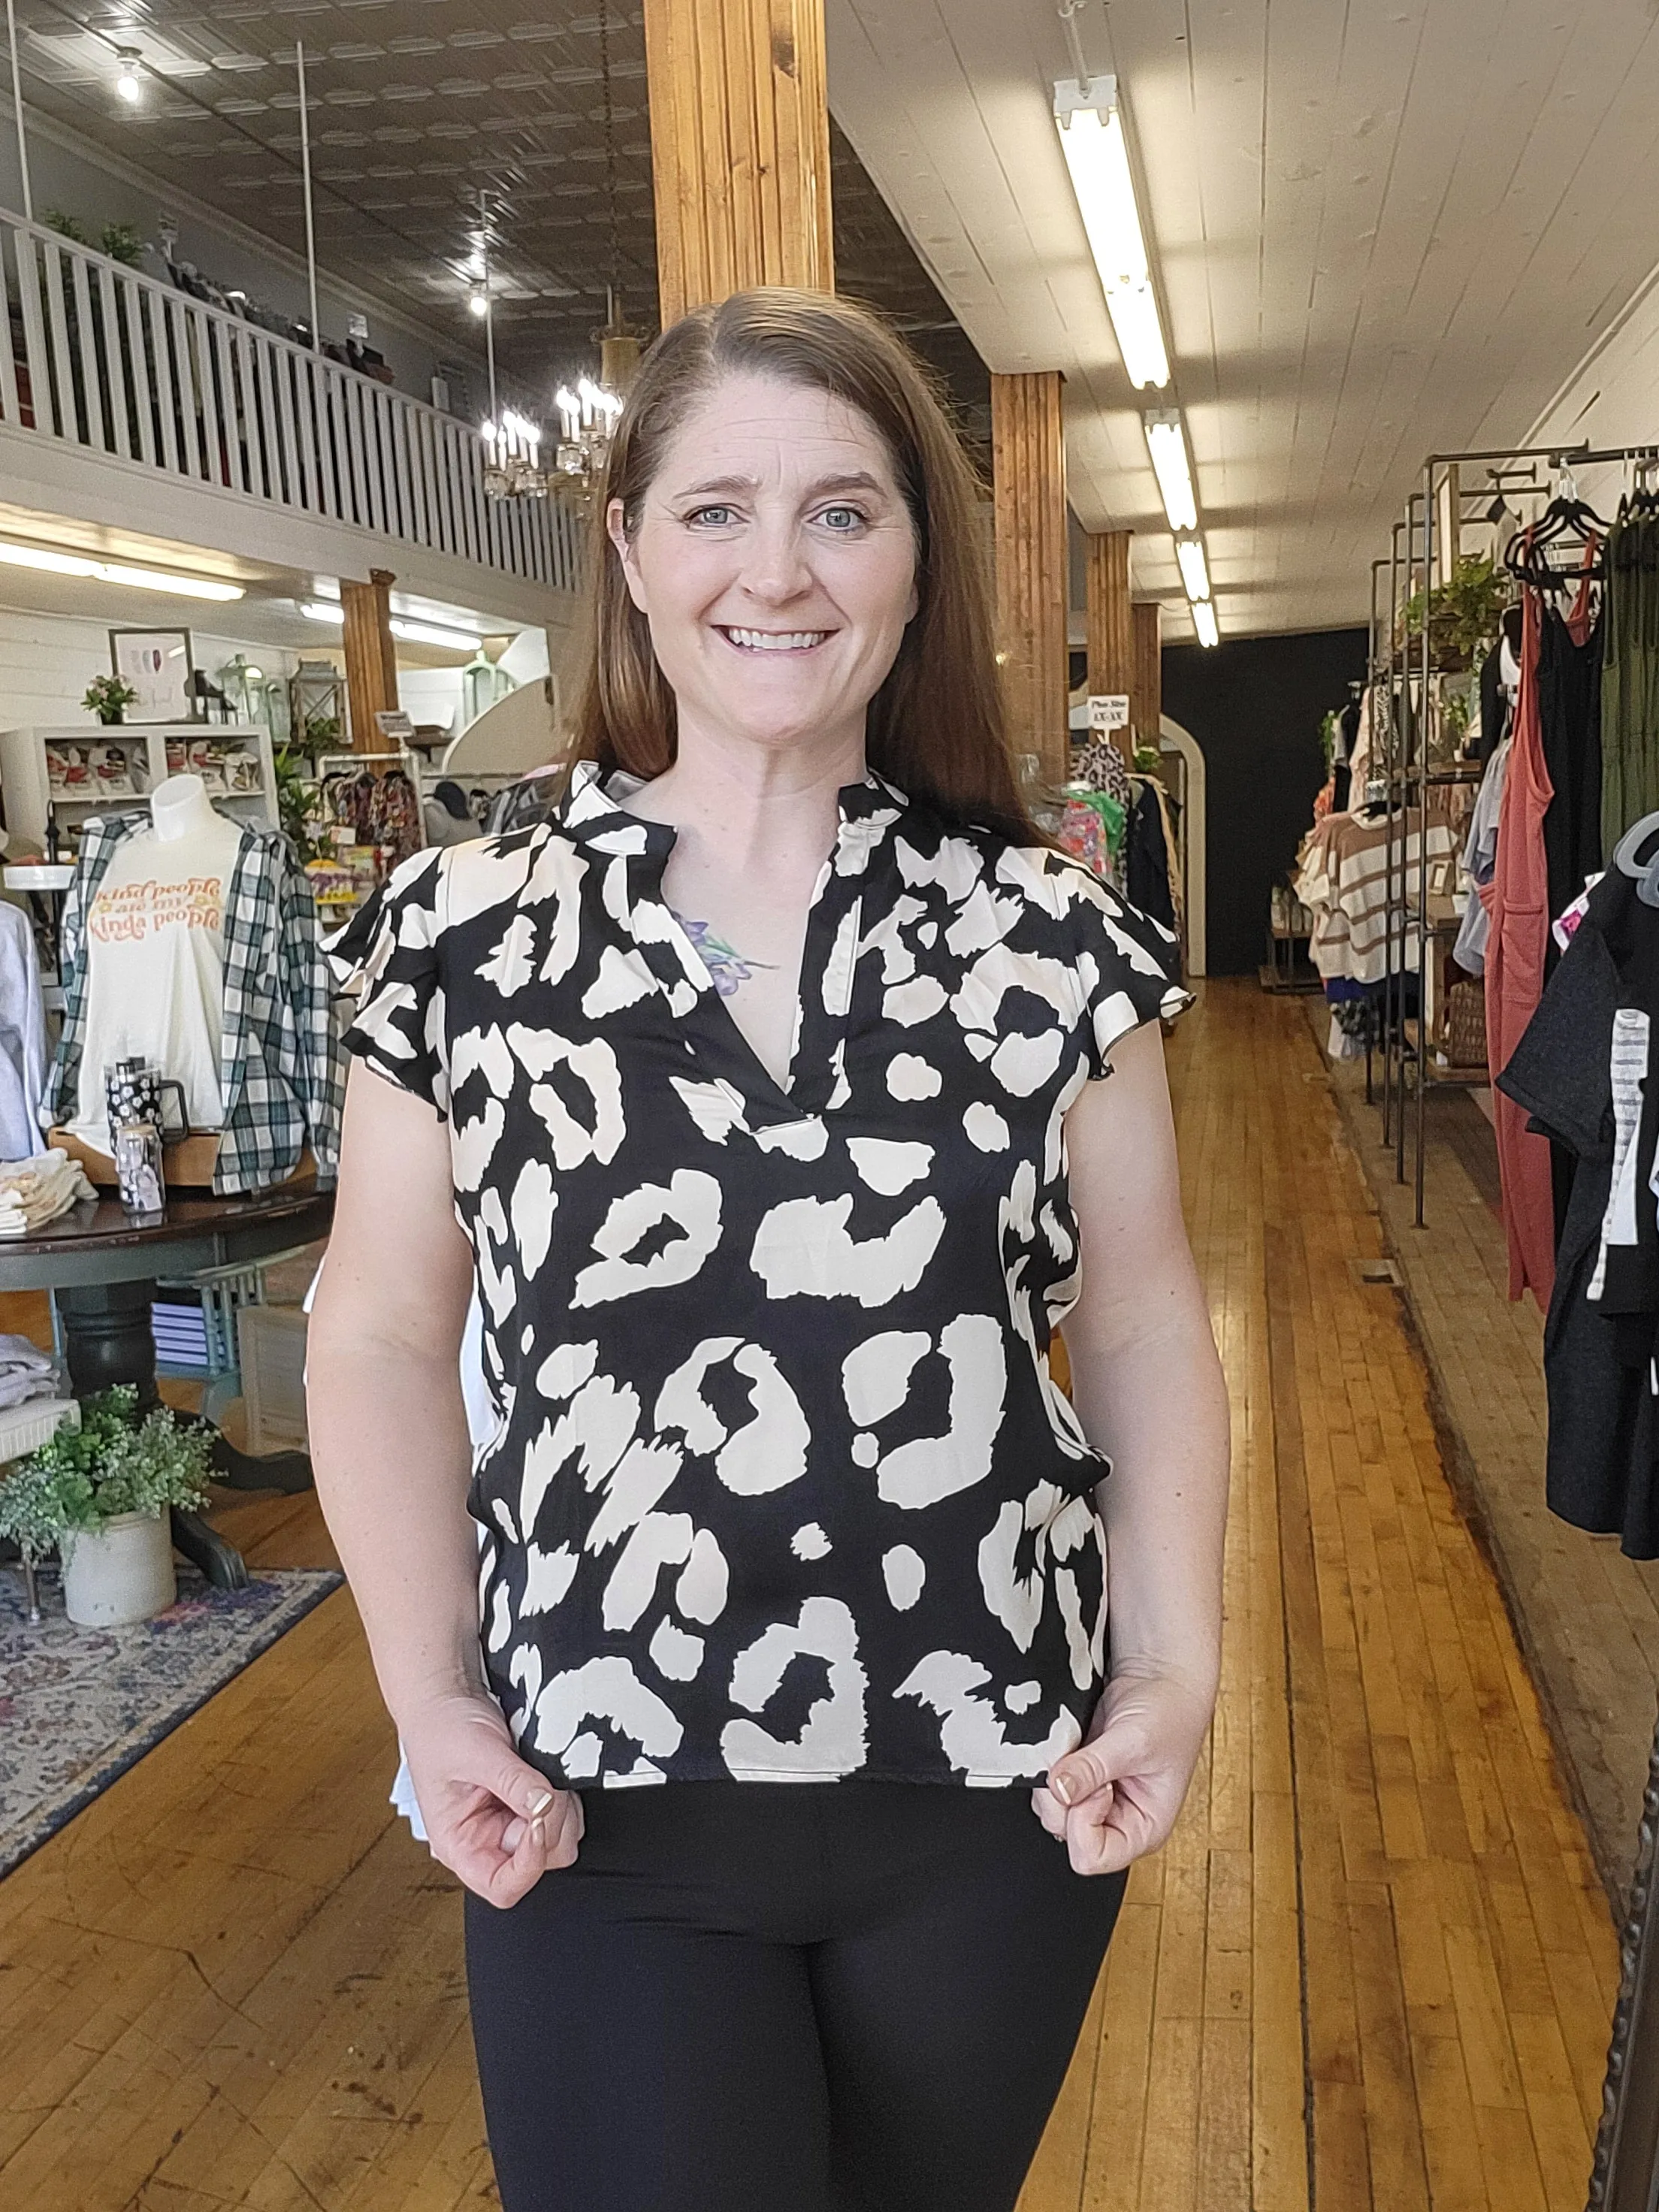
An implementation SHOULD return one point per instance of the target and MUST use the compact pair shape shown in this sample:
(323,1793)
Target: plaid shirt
(279,1072)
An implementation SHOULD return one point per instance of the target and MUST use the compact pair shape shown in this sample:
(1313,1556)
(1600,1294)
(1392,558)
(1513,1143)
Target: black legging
(782,1997)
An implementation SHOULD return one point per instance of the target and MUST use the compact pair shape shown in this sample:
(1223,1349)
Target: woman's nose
(776,569)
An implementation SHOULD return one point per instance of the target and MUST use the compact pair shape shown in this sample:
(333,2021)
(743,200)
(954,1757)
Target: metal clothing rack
(1403,674)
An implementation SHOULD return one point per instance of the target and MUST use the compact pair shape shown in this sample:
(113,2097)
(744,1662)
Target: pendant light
(587,414)
(588,410)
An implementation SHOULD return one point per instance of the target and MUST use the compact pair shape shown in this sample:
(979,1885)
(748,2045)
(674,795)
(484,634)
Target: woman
(744,1091)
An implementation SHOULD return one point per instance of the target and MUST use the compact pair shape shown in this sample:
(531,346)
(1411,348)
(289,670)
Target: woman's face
(775,562)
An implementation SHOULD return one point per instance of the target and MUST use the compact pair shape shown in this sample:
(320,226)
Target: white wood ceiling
(1382,226)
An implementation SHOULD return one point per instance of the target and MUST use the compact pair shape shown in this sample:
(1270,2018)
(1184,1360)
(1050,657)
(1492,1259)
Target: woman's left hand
(1116,1796)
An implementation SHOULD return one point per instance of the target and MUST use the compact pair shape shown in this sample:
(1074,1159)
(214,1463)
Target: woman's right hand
(490,1818)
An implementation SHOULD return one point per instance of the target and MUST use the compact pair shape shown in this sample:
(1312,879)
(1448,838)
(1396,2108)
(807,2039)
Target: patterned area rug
(79,1705)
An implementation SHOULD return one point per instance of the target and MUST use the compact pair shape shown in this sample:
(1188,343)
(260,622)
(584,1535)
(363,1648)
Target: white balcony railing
(102,358)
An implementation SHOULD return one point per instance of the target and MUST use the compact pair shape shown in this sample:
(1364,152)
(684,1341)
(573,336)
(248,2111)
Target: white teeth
(762,641)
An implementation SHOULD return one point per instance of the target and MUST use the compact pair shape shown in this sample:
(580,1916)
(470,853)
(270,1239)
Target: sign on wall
(1109,710)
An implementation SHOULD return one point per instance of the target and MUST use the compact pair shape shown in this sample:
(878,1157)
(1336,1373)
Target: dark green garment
(1630,677)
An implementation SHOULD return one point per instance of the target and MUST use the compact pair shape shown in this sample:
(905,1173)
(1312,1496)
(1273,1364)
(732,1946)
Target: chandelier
(513,462)
(513,468)
(589,412)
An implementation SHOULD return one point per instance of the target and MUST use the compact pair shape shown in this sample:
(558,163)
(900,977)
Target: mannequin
(155,947)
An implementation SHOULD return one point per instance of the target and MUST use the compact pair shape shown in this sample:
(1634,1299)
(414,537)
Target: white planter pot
(122,1573)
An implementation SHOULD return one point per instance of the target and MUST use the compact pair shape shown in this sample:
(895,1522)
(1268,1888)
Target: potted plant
(108,697)
(99,1495)
(1462,612)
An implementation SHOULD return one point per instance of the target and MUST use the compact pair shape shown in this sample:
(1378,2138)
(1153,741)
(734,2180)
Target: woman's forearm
(390,1446)
(1155,1402)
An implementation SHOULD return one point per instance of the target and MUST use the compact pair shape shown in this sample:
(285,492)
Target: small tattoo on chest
(726,966)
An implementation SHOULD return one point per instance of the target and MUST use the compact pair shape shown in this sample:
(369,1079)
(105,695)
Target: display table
(102,1268)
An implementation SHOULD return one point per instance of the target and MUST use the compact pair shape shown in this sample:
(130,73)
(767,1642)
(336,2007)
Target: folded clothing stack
(35,1192)
(26,1372)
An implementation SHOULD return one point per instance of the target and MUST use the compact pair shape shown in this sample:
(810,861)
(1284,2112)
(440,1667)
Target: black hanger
(1566,524)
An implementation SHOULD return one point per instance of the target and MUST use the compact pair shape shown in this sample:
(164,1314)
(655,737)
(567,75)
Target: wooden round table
(102,1266)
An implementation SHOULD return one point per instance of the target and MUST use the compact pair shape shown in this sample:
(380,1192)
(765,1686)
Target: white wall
(435,695)
(431,694)
(46,662)
(1612,399)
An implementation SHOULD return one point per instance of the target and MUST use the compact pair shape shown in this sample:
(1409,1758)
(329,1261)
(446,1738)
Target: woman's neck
(753,806)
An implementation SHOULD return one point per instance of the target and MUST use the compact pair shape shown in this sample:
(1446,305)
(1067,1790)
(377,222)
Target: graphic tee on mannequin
(155,950)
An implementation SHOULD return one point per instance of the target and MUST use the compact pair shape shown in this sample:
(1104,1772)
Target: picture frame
(159,664)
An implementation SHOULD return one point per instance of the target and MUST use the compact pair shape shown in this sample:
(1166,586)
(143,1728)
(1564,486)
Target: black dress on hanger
(1570,711)
(1595,1020)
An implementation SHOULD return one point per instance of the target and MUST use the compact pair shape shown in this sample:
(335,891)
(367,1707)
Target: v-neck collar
(592,813)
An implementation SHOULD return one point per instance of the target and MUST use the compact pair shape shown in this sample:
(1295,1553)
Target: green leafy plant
(82,1479)
(66,225)
(1462,613)
(319,734)
(121,241)
(296,795)
(108,697)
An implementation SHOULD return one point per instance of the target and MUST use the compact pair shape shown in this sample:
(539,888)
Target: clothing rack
(1404,675)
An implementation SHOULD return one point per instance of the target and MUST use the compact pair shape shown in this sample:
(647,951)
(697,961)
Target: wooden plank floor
(1589,1617)
(1374,1960)
(1430,2032)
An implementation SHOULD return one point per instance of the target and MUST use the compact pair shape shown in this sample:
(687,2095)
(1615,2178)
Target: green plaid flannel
(280,1065)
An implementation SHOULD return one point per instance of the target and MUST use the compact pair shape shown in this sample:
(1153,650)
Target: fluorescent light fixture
(1091,138)
(412,633)
(129,83)
(420,633)
(1166,441)
(117,572)
(1204,621)
(1195,570)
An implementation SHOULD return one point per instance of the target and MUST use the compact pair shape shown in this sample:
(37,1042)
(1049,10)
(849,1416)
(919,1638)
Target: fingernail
(1062,1788)
(538,1834)
(540,1804)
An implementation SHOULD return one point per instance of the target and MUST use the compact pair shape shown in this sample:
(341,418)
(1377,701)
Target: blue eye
(715,517)
(841,518)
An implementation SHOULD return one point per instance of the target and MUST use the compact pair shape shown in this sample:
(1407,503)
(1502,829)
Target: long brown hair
(936,728)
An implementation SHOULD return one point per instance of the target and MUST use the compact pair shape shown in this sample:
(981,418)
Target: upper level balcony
(128,404)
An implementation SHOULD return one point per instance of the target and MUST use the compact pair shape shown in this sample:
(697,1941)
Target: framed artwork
(159,665)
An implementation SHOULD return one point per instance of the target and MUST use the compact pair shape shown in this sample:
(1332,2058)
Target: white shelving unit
(94,769)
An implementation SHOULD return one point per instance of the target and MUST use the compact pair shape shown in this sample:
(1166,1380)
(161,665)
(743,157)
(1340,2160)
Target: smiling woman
(885,462)
(758,1102)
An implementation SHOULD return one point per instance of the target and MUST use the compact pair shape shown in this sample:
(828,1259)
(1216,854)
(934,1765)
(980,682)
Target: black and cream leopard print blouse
(780,1487)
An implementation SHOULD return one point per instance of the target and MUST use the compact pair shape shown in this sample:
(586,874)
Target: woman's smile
(796,641)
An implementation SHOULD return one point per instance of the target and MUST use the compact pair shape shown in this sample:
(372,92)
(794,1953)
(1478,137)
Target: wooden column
(739,148)
(1147,699)
(1028,454)
(371,657)
(1110,623)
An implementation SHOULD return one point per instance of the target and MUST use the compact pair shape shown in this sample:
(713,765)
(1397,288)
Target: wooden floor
(1374,1967)
(1588,1617)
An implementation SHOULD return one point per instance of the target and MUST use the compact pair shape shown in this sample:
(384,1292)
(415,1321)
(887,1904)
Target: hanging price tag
(1109,710)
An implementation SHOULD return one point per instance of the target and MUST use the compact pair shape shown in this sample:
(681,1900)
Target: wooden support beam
(1028,454)
(1110,624)
(739,148)
(371,656)
(1146,697)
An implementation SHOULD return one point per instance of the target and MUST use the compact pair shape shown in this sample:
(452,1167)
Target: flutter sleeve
(1128,966)
(390,954)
